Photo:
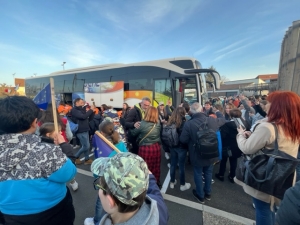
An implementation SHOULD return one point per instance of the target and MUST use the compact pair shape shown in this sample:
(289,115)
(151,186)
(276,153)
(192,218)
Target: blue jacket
(154,193)
(189,135)
(33,175)
(288,212)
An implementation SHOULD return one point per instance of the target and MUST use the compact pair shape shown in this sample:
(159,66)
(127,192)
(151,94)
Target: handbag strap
(269,168)
(271,160)
(276,147)
(147,134)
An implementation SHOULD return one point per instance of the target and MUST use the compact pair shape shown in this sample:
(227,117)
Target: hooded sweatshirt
(153,212)
(32,174)
(146,215)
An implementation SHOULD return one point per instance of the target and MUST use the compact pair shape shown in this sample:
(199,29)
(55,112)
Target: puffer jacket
(39,169)
(143,130)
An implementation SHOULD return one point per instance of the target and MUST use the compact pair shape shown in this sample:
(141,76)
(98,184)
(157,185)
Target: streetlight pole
(63,65)
(13,77)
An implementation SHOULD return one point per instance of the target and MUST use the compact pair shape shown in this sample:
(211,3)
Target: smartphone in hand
(239,122)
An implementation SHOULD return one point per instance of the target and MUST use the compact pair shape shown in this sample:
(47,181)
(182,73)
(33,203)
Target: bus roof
(114,65)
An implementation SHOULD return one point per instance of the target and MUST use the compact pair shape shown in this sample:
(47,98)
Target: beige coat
(264,136)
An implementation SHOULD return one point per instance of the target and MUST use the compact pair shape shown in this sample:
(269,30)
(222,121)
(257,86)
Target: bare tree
(223,79)
(209,78)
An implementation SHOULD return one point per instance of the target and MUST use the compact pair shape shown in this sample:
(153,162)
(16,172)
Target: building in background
(8,90)
(289,65)
(261,85)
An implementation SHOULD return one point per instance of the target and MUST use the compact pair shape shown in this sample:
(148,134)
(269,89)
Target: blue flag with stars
(101,148)
(43,97)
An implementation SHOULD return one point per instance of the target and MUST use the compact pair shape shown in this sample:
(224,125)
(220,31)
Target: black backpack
(169,135)
(207,142)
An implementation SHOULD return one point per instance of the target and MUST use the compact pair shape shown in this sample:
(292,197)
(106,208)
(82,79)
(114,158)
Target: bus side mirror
(217,79)
(213,73)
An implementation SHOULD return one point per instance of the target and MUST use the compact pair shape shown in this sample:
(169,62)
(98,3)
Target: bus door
(185,90)
(162,91)
(66,98)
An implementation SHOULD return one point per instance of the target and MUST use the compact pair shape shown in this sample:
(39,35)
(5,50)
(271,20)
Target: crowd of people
(34,155)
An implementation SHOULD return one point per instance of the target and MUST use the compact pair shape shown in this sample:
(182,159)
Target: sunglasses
(97,186)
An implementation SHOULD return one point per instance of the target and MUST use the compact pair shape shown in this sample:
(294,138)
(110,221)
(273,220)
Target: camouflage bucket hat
(126,175)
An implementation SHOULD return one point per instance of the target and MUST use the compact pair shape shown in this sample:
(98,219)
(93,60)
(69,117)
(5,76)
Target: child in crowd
(128,191)
(107,129)
(48,135)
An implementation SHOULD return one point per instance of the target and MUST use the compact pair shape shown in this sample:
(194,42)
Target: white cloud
(231,46)
(230,52)
(201,51)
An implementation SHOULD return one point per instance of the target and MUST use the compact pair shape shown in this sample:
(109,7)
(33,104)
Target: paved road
(229,204)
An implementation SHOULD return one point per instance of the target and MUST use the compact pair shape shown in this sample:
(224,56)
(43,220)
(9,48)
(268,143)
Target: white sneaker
(173,184)
(185,187)
(74,185)
(89,221)
(167,156)
(169,165)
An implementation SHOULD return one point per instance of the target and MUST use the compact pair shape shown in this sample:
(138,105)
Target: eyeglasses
(97,186)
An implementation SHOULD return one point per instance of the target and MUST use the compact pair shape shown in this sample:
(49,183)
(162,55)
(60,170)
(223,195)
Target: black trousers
(61,214)
(135,148)
(233,165)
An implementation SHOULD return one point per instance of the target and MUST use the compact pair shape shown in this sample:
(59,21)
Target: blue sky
(241,39)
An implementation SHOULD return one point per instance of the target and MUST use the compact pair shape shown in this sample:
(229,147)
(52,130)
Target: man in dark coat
(80,115)
(133,119)
(189,136)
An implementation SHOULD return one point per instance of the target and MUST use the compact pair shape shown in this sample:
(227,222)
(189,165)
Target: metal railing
(259,87)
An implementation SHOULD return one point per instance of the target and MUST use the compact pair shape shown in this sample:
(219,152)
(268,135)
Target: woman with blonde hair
(283,110)
(148,139)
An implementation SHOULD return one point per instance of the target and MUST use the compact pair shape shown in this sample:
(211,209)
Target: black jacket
(65,147)
(228,136)
(125,113)
(94,123)
(133,116)
(259,110)
(81,117)
(189,135)
(179,131)
(288,212)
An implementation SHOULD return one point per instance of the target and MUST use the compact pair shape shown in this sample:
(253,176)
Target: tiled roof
(267,77)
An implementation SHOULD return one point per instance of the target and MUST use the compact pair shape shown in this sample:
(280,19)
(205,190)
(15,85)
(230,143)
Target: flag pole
(107,142)
(53,104)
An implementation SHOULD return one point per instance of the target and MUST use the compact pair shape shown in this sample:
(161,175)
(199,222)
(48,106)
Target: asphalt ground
(228,205)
